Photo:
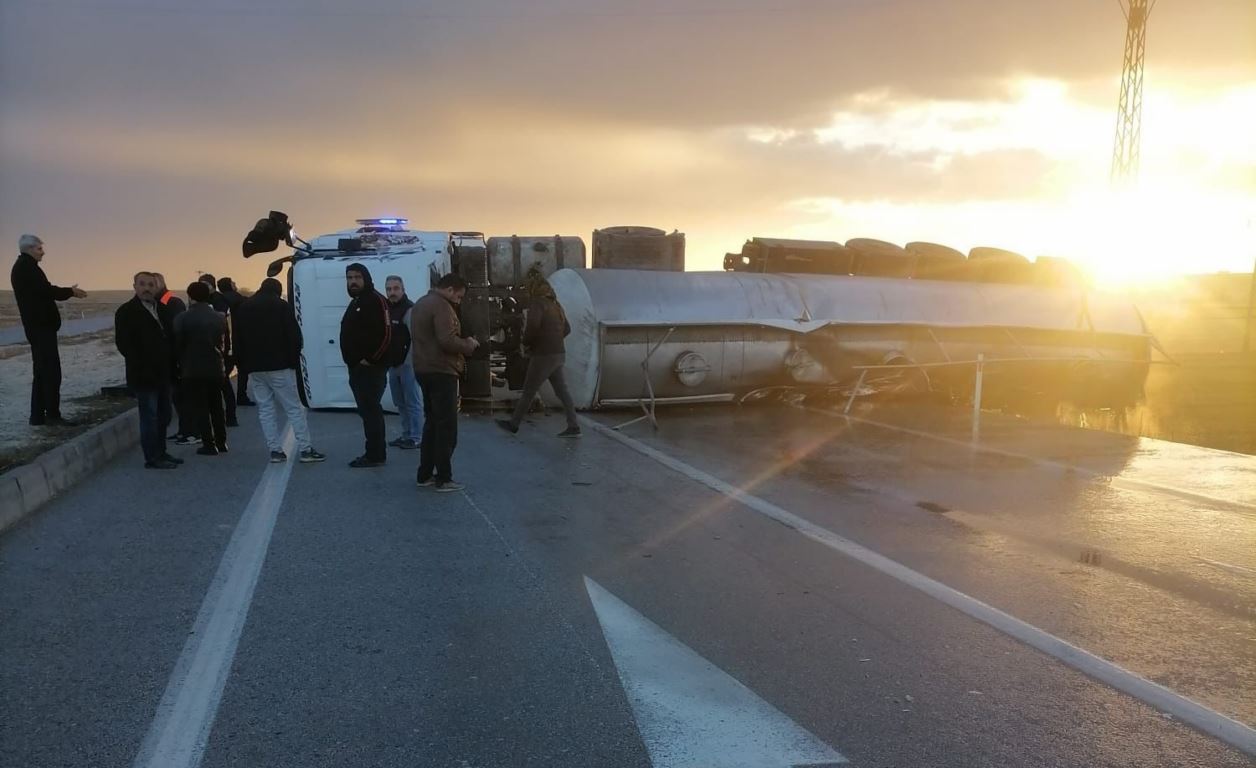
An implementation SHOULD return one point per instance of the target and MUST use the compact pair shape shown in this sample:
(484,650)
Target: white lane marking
(1241,569)
(181,727)
(1228,730)
(691,713)
(1128,483)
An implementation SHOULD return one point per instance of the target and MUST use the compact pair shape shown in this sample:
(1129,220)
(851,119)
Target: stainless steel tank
(717,336)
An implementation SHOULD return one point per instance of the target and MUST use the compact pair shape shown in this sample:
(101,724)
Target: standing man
(365,333)
(268,351)
(145,336)
(401,379)
(229,291)
(439,359)
(543,336)
(168,297)
(37,304)
(184,434)
(222,307)
(200,334)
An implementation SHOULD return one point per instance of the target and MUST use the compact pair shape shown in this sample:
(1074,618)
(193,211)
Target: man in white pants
(268,347)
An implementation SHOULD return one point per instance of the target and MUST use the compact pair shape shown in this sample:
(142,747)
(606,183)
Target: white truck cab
(316,287)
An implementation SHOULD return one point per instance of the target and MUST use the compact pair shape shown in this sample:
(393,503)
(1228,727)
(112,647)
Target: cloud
(713,116)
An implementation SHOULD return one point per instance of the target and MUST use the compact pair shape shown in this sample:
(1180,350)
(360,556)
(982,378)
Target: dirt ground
(87,363)
(96,303)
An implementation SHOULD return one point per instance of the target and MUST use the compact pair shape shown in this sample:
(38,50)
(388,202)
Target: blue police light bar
(387,221)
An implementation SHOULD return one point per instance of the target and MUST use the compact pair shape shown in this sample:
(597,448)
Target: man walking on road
(200,336)
(268,351)
(439,359)
(144,335)
(37,305)
(543,336)
(365,332)
(402,382)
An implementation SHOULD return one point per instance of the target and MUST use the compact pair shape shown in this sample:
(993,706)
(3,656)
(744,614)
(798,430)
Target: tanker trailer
(688,337)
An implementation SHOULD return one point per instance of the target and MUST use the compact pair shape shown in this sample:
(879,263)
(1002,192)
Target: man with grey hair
(37,304)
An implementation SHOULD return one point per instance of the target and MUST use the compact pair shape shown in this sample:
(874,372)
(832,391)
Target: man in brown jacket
(439,360)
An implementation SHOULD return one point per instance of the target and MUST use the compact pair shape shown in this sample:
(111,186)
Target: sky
(152,134)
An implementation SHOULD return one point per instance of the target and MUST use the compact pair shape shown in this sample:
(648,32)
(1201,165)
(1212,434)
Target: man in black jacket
(223,307)
(365,333)
(145,336)
(268,352)
(185,434)
(37,304)
(228,290)
(199,335)
(402,382)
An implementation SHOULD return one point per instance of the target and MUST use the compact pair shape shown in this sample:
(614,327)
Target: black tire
(996,265)
(937,262)
(877,258)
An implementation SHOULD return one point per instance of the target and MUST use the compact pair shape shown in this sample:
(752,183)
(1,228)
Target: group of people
(419,350)
(179,359)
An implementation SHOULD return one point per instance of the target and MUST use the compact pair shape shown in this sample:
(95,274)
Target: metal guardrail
(981,362)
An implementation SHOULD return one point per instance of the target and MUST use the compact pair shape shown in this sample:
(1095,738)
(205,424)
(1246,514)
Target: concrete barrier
(26,488)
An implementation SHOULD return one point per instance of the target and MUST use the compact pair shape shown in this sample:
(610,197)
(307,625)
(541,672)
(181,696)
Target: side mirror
(266,234)
(276,267)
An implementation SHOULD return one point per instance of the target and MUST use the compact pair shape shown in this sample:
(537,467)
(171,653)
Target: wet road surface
(591,603)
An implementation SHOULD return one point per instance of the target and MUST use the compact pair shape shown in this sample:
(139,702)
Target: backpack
(398,351)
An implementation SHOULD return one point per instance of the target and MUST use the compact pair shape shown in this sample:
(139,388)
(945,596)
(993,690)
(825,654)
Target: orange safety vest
(165,297)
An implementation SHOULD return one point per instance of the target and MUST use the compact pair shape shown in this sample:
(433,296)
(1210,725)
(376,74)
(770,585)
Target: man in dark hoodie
(200,336)
(439,355)
(365,333)
(401,379)
(268,350)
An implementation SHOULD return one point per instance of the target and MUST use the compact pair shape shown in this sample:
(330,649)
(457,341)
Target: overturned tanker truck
(785,318)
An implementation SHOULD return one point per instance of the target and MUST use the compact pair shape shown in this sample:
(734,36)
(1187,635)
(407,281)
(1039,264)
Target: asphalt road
(590,603)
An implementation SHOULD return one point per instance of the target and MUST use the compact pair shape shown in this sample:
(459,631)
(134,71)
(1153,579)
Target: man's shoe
(362,461)
(207,450)
(398,442)
(171,459)
(188,440)
(159,464)
(233,422)
(175,436)
(409,445)
(278,457)
(571,432)
(428,483)
(222,447)
(38,422)
(311,456)
(508,426)
(245,402)
(449,486)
